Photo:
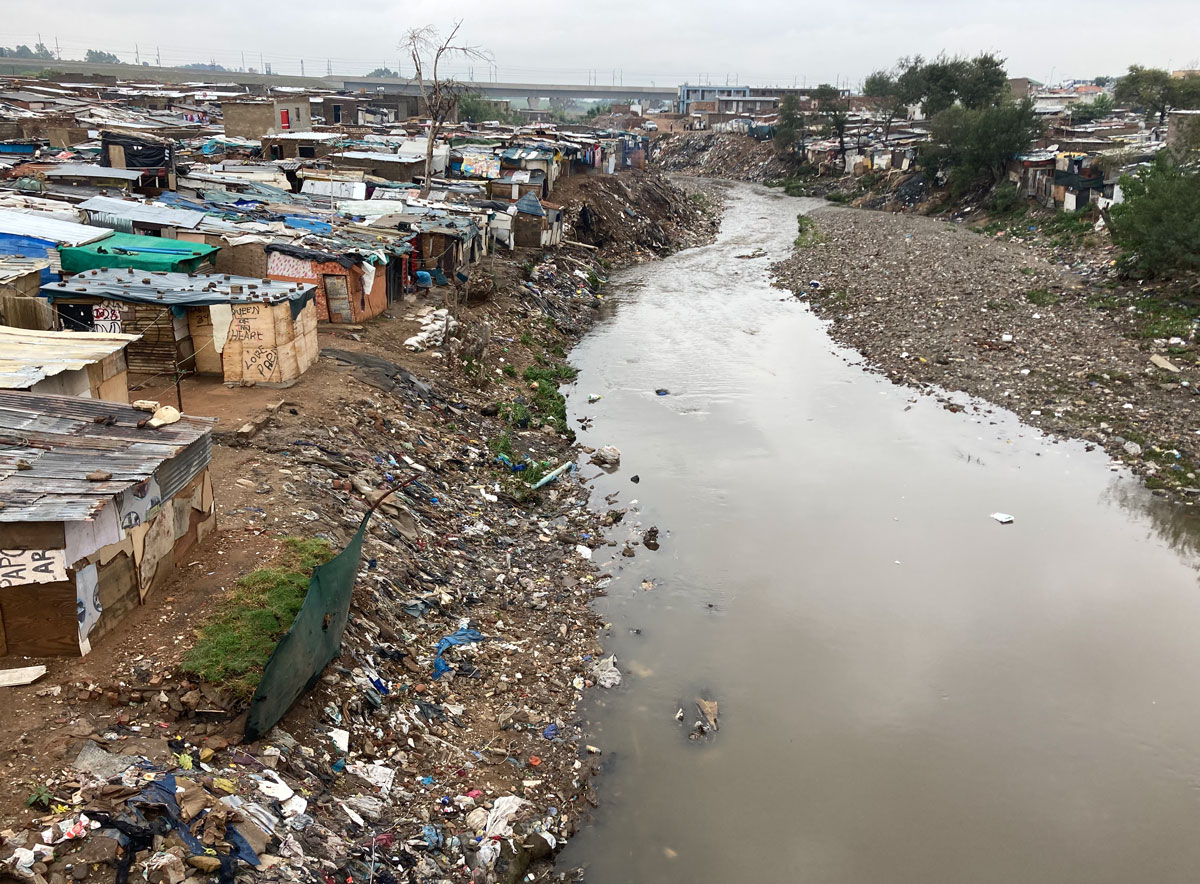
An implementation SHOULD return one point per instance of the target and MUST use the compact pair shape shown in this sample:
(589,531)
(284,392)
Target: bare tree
(440,94)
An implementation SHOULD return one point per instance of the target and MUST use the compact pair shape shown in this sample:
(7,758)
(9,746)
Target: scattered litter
(605,672)
(1002,518)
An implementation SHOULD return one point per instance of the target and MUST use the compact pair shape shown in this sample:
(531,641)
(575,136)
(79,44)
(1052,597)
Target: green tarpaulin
(142,252)
(314,639)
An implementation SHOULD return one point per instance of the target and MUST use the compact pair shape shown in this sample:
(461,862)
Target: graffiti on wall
(19,567)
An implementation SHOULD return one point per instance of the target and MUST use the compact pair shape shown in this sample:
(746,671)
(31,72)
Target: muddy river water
(909,691)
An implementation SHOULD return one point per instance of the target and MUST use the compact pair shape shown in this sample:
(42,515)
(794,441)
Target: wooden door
(337,296)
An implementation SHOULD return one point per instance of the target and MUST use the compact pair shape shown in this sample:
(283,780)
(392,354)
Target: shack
(94,512)
(20,279)
(37,235)
(245,330)
(90,364)
(144,219)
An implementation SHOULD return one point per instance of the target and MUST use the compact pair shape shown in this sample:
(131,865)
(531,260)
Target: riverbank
(388,766)
(941,307)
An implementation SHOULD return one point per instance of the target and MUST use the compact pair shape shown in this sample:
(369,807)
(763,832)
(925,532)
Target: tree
(440,94)
(383,72)
(834,113)
(983,82)
(940,84)
(790,127)
(477,108)
(1102,81)
(1154,92)
(96,56)
(1086,112)
(40,51)
(886,89)
(972,145)
(1158,222)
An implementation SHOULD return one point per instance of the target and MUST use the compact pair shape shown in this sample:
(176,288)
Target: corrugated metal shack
(65,363)
(94,512)
(249,331)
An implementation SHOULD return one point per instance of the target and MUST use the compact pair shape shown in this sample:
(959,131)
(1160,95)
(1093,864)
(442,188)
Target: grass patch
(509,369)
(1042,297)
(550,404)
(233,647)
(839,196)
(502,444)
(808,235)
(527,339)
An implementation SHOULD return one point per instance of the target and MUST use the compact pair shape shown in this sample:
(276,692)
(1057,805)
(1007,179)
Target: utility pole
(137,57)
(157,57)
(57,54)
(243,59)
(302,67)
(328,67)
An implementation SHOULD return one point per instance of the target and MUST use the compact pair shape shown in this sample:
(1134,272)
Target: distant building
(255,118)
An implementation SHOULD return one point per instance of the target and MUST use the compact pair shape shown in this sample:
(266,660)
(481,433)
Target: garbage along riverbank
(443,743)
(1069,348)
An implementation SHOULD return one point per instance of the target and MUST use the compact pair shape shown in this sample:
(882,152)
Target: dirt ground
(464,541)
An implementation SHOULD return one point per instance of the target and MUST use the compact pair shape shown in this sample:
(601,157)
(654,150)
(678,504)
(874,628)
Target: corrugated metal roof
(52,229)
(176,288)
(15,266)
(92,170)
(61,443)
(143,213)
(28,356)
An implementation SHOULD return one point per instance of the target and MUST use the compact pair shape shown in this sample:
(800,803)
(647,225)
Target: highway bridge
(151,74)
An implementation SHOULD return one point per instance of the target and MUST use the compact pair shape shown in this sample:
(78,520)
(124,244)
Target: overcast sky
(642,41)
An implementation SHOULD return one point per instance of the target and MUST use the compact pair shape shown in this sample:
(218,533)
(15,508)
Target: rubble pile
(443,743)
(632,215)
(935,305)
(721,155)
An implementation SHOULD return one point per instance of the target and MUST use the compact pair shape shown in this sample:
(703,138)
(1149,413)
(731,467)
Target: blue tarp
(530,205)
(462,637)
(28,247)
(303,223)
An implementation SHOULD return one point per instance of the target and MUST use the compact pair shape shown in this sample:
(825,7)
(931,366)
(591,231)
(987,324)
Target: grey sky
(642,41)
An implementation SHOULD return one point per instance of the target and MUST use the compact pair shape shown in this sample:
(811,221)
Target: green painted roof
(142,252)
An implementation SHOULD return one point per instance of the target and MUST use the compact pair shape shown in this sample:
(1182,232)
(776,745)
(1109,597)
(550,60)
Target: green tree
(973,145)
(40,51)
(1154,92)
(96,56)
(834,112)
(1086,112)
(382,72)
(1158,223)
(1102,81)
(886,89)
(945,81)
(476,108)
(790,128)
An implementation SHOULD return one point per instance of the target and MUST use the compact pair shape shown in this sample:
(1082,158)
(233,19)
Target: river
(909,690)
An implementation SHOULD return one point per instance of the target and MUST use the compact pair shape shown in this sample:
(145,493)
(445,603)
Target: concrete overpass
(150,74)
